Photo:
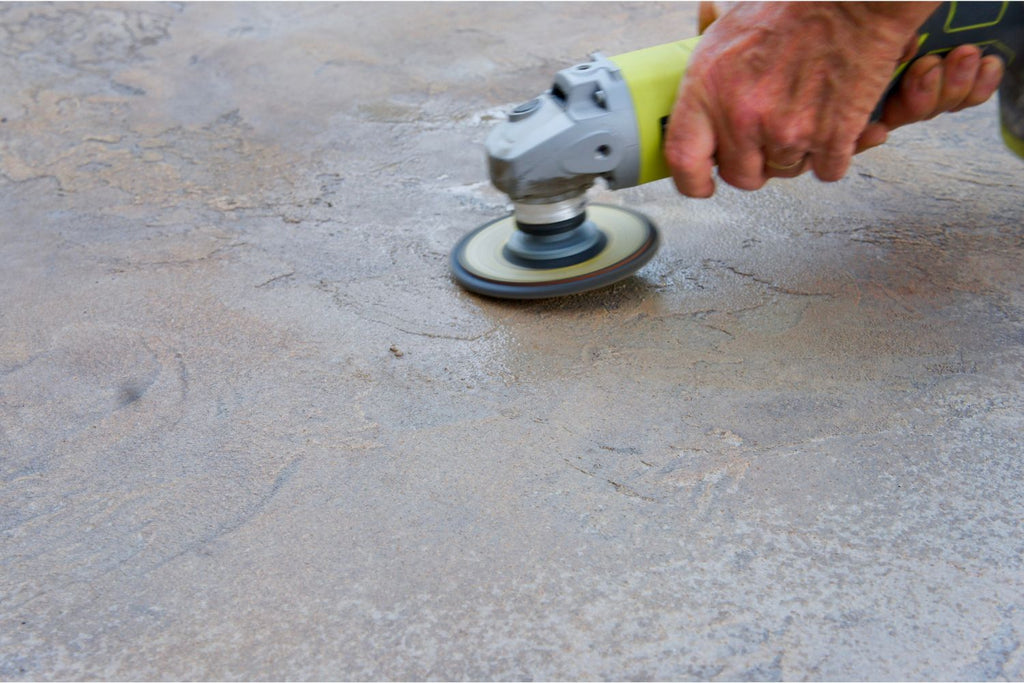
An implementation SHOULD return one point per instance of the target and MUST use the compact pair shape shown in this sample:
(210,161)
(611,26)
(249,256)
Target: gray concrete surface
(250,429)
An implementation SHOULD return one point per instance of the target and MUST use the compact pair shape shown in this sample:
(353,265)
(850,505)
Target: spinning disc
(616,242)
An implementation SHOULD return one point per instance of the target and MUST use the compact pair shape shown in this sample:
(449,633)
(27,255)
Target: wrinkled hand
(933,85)
(776,88)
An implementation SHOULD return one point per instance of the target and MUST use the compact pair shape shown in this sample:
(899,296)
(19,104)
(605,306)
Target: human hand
(933,85)
(776,88)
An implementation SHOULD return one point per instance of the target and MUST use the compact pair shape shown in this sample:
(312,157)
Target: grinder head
(508,259)
(545,157)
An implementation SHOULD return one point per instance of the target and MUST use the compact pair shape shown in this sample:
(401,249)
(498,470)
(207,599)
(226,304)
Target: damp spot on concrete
(130,392)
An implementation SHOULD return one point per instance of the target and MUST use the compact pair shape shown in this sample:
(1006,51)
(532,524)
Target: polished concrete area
(251,429)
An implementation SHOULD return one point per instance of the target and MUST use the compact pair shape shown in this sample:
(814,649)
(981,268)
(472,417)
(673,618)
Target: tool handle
(996,27)
(653,74)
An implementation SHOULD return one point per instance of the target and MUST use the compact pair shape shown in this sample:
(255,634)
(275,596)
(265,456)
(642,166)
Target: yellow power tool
(605,119)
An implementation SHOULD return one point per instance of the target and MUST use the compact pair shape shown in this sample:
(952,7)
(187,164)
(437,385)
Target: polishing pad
(611,244)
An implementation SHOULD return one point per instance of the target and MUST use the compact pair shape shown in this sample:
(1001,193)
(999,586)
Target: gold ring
(787,167)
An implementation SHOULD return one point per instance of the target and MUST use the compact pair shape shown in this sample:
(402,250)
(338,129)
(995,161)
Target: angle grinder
(605,119)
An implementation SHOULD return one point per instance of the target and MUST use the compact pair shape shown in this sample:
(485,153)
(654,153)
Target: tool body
(606,119)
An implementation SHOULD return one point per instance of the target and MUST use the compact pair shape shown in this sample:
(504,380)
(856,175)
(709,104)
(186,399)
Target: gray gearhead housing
(555,145)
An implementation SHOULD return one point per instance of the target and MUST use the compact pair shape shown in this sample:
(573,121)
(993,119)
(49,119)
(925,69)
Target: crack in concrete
(618,487)
(766,283)
(276,278)
(348,304)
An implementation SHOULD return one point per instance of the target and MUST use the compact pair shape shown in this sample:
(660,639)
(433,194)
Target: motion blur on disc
(499,259)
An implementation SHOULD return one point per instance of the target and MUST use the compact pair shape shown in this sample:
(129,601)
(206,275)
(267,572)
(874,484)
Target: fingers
(690,149)
(694,145)
(990,74)
(831,164)
(960,73)
(933,85)
(793,169)
(786,153)
(918,94)
(758,107)
(784,157)
(874,135)
(707,13)
(910,48)
(741,161)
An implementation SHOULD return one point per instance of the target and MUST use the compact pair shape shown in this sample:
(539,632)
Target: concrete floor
(250,429)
